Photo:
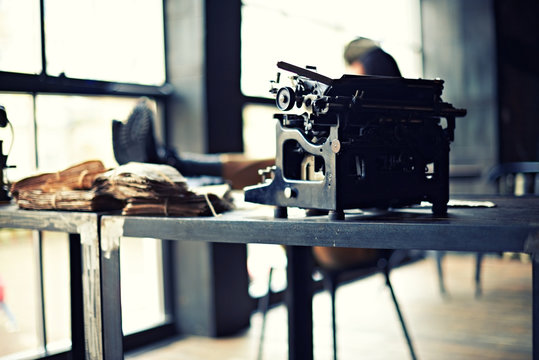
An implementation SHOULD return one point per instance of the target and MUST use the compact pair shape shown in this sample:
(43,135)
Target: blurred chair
(514,178)
(337,263)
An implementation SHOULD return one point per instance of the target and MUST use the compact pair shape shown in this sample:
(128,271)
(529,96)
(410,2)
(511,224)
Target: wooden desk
(513,225)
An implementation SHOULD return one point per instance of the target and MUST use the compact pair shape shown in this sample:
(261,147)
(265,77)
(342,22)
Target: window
(18,145)
(71,129)
(20,40)
(119,40)
(56,292)
(67,69)
(142,284)
(20,310)
(315,33)
(310,33)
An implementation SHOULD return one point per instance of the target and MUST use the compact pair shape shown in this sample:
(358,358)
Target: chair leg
(439,256)
(330,283)
(408,339)
(263,307)
(478,261)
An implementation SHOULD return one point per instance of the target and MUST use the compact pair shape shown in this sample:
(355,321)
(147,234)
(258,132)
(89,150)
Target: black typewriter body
(358,142)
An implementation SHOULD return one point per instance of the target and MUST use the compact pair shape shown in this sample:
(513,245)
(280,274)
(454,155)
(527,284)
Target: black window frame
(224,98)
(43,83)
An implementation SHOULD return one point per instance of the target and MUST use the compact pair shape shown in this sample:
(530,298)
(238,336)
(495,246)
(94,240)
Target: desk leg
(299,298)
(535,302)
(111,232)
(91,289)
(77,307)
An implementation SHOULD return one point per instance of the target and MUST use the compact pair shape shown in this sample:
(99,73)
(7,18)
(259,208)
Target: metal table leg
(111,232)
(91,289)
(299,298)
(77,307)
(535,306)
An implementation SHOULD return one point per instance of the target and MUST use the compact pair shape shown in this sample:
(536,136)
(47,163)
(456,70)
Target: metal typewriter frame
(383,144)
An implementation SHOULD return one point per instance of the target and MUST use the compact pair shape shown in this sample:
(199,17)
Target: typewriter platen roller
(358,142)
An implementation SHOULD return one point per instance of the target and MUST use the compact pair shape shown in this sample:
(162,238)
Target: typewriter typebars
(358,142)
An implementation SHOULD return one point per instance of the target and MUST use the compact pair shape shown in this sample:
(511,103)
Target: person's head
(364,57)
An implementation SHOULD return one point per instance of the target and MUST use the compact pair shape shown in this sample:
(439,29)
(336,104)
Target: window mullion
(41,320)
(42,33)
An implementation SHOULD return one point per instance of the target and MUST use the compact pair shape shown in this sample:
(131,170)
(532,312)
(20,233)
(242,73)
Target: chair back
(515,178)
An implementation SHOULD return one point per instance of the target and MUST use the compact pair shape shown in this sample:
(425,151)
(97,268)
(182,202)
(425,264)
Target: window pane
(119,40)
(19,109)
(56,280)
(20,40)
(72,129)
(259,131)
(141,272)
(260,258)
(315,33)
(19,315)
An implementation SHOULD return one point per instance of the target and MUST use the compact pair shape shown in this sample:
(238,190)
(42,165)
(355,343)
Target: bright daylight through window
(92,40)
(311,33)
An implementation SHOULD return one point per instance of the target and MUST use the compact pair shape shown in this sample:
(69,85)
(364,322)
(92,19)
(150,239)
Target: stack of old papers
(143,180)
(69,189)
(190,204)
(82,200)
(154,189)
(135,188)
(80,176)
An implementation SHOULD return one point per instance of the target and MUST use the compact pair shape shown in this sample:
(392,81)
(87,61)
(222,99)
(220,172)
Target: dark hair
(357,48)
(377,62)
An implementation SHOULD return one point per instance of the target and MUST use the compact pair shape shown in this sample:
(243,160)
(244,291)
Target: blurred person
(134,140)
(12,324)
(363,56)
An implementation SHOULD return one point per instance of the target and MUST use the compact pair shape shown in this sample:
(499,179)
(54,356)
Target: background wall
(486,51)
(185,63)
(518,78)
(459,46)
(483,49)
(205,117)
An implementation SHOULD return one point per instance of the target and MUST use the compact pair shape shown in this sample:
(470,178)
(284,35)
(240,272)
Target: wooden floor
(498,325)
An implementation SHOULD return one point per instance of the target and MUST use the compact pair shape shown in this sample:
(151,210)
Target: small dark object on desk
(4,193)
(360,142)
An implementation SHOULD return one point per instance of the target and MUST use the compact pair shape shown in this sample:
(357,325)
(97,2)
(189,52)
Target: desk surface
(74,222)
(512,225)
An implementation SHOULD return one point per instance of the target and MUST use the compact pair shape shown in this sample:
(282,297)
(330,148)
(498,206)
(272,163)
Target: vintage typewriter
(358,142)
